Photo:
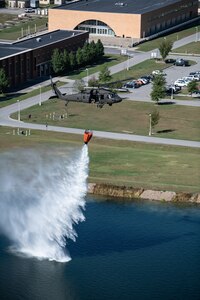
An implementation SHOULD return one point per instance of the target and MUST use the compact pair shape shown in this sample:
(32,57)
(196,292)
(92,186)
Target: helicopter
(99,96)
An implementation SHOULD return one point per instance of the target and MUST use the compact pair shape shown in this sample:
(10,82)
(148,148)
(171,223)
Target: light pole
(172,91)
(172,94)
(128,62)
(87,76)
(18,106)
(196,36)
(40,99)
(150,125)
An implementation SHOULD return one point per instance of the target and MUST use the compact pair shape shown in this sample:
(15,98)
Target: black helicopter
(100,96)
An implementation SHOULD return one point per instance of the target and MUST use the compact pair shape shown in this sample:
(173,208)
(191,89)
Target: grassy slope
(121,162)
(189,48)
(175,121)
(147,46)
(15,31)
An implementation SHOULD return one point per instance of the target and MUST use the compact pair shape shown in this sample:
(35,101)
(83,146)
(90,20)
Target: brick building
(122,18)
(30,58)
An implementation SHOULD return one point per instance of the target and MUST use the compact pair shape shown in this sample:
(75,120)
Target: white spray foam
(42,197)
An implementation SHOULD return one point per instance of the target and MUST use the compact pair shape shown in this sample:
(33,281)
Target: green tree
(72,60)
(79,57)
(4,82)
(86,53)
(104,75)
(66,61)
(165,47)
(93,51)
(57,62)
(154,119)
(192,87)
(99,49)
(158,88)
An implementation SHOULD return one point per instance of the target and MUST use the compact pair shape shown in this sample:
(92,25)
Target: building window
(96,27)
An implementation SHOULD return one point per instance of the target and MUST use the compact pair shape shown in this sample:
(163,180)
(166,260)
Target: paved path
(5,120)
(5,112)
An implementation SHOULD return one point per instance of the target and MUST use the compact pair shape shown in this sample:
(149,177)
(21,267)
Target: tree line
(65,61)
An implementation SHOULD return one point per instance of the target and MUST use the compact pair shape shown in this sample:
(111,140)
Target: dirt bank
(139,193)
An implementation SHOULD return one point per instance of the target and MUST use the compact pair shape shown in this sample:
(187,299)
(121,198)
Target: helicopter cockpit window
(102,96)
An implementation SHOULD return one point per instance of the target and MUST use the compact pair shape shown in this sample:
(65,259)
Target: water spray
(42,198)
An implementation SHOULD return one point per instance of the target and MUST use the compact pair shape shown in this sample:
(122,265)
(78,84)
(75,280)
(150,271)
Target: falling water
(41,198)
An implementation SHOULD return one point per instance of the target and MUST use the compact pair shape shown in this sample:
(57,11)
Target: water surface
(140,250)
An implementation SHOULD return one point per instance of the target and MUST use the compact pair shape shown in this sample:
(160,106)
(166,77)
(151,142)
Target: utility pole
(18,105)
(40,99)
(87,76)
(196,36)
(150,125)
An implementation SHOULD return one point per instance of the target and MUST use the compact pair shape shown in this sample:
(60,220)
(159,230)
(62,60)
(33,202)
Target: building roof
(118,6)
(36,41)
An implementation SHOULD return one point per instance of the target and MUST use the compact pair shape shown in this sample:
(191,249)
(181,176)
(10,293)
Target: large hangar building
(122,18)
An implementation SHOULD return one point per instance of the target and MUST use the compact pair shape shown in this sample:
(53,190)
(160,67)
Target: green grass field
(179,122)
(150,45)
(121,162)
(108,60)
(26,25)
(192,48)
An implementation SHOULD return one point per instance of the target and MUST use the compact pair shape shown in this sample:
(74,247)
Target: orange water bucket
(87,136)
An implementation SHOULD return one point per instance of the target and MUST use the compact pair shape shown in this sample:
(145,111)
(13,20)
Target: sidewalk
(44,84)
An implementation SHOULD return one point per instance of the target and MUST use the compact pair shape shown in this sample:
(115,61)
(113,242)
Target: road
(5,120)
(141,94)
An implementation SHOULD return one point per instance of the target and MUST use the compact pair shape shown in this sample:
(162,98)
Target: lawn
(12,98)
(192,48)
(108,60)
(179,122)
(121,162)
(154,44)
(143,68)
(26,25)
(7,17)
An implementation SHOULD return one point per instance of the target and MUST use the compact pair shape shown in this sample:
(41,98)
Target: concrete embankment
(139,193)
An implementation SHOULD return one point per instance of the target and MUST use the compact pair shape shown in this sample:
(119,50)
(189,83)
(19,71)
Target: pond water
(139,250)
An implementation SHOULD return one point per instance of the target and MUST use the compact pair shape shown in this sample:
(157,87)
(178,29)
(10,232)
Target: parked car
(147,77)
(193,77)
(139,82)
(197,93)
(29,10)
(195,73)
(187,79)
(169,61)
(131,85)
(158,72)
(143,80)
(181,62)
(172,89)
(180,82)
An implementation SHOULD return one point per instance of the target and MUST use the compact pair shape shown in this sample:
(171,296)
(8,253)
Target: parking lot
(172,74)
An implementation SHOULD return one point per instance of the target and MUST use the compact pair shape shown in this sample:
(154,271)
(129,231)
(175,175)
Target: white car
(186,79)
(180,82)
(29,10)
(158,72)
(194,77)
(143,80)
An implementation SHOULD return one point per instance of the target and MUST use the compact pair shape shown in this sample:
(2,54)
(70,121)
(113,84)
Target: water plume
(42,196)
